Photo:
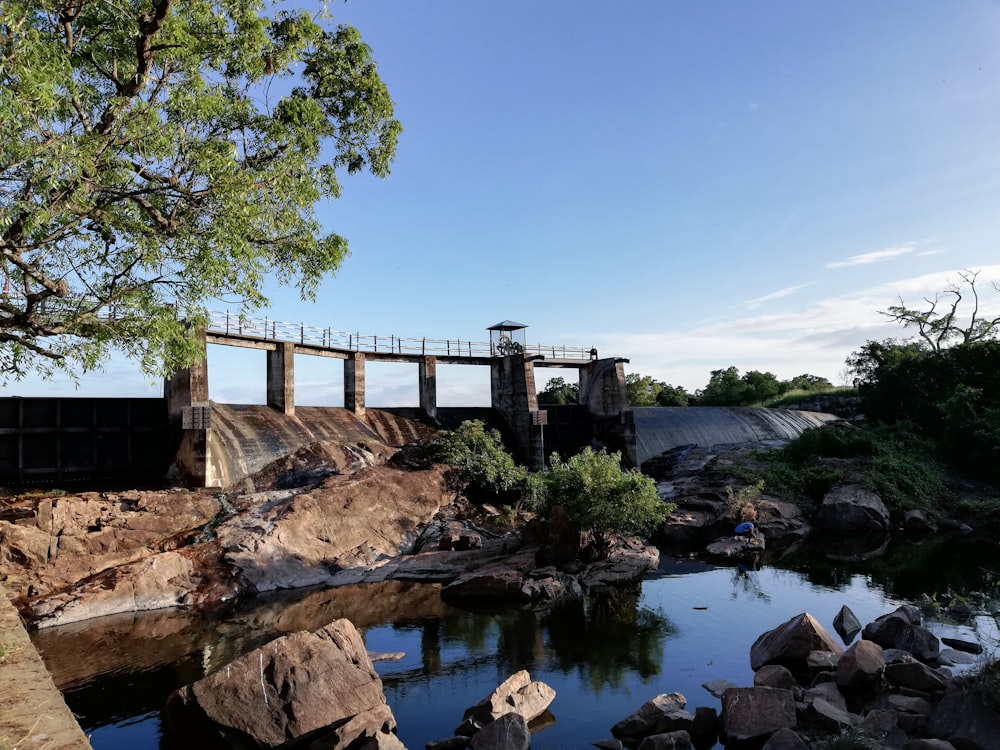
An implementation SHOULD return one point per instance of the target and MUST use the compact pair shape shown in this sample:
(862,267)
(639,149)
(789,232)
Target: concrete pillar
(188,386)
(189,412)
(513,396)
(281,378)
(428,386)
(602,388)
(354,383)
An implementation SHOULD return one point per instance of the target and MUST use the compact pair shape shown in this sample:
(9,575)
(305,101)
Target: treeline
(725,388)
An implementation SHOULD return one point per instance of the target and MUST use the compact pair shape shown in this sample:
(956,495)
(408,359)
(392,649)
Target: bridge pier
(281,378)
(188,410)
(354,383)
(514,396)
(428,386)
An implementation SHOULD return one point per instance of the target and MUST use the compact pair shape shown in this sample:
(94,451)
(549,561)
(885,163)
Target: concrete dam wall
(660,428)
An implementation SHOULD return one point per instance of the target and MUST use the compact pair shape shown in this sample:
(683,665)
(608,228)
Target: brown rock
(679,740)
(852,507)
(774,675)
(968,720)
(791,643)
(915,676)
(644,721)
(293,686)
(785,739)
(757,712)
(517,694)
(508,732)
(861,667)
(347,521)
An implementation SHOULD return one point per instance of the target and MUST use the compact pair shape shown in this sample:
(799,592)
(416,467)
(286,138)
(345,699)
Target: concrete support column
(354,383)
(513,396)
(428,386)
(190,415)
(602,388)
(281,378)
(188,386)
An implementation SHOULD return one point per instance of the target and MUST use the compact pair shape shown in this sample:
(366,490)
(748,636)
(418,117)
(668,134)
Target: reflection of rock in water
(149,640)
(856,547)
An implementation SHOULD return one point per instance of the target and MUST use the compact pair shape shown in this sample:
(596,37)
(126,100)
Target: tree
(558,391)
(483,468)
(160,153)
(673,396)
(642,390)
(759,387)
(600,497)
(941,324)
(725,388)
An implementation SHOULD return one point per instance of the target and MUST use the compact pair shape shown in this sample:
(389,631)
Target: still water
(687,623)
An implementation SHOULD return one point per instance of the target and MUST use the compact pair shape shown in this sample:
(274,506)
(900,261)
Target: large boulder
(517,694)
(647,719)
(299,685)
(352,521)
(756,713)
(508,732)
(852,507)
(64,540)
(901,629)
(968,720)
(861,667)
(791,643)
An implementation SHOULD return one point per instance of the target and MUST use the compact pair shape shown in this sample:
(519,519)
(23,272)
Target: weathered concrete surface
(33,714)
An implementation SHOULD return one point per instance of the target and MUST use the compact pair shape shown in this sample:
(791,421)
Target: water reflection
(605,655)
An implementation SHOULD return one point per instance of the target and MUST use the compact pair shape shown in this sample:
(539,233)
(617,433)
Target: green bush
(601,497)
(483,468)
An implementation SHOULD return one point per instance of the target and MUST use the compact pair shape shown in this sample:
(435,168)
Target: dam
(66,441)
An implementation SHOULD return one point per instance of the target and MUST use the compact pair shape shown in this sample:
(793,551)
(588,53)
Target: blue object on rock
(744,528)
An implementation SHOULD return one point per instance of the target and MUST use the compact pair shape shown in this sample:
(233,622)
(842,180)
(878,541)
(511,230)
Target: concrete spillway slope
(658,429)
(246,438)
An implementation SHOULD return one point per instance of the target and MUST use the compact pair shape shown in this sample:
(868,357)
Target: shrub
(483,469)
(744,503)
(601,497)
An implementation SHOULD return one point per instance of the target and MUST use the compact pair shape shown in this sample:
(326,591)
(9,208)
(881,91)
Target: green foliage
(483,467)
(744,503)
(159,154)
(728,388)
(558,391)
(599,496)
(853,738)
(724,389)
(672,395)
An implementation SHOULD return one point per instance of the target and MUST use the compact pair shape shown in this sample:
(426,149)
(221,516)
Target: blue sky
(690,185)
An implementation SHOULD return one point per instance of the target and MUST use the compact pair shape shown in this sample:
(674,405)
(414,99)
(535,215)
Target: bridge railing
(330,338)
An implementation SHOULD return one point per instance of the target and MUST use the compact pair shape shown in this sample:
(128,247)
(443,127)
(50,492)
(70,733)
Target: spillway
(660,428)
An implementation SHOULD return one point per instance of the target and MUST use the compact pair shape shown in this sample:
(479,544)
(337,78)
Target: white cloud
(873,257)
(787,291)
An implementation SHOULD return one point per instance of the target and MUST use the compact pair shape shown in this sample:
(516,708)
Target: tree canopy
(160,153)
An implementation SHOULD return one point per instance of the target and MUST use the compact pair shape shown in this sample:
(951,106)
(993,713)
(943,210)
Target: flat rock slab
(33,713)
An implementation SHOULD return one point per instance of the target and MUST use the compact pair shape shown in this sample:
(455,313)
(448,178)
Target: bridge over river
(212,444)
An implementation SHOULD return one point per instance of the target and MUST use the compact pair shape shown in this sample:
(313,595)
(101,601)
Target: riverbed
(687,623)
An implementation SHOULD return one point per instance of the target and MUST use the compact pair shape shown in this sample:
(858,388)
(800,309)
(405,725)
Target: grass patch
(6,649)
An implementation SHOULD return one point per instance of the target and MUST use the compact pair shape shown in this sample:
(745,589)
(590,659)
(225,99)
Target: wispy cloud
(874,257)
(787,291)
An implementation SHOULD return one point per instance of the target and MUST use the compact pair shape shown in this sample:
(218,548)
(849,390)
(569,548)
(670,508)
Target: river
(687,623)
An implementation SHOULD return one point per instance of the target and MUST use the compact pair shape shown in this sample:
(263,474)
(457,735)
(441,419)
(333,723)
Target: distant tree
(807,383)
(558,391)
(642,390)
(941,324)
(162,153)
(725,388)
(759,387)
(673,396)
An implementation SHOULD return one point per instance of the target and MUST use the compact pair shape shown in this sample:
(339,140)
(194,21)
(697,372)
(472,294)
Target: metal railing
(330,338)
